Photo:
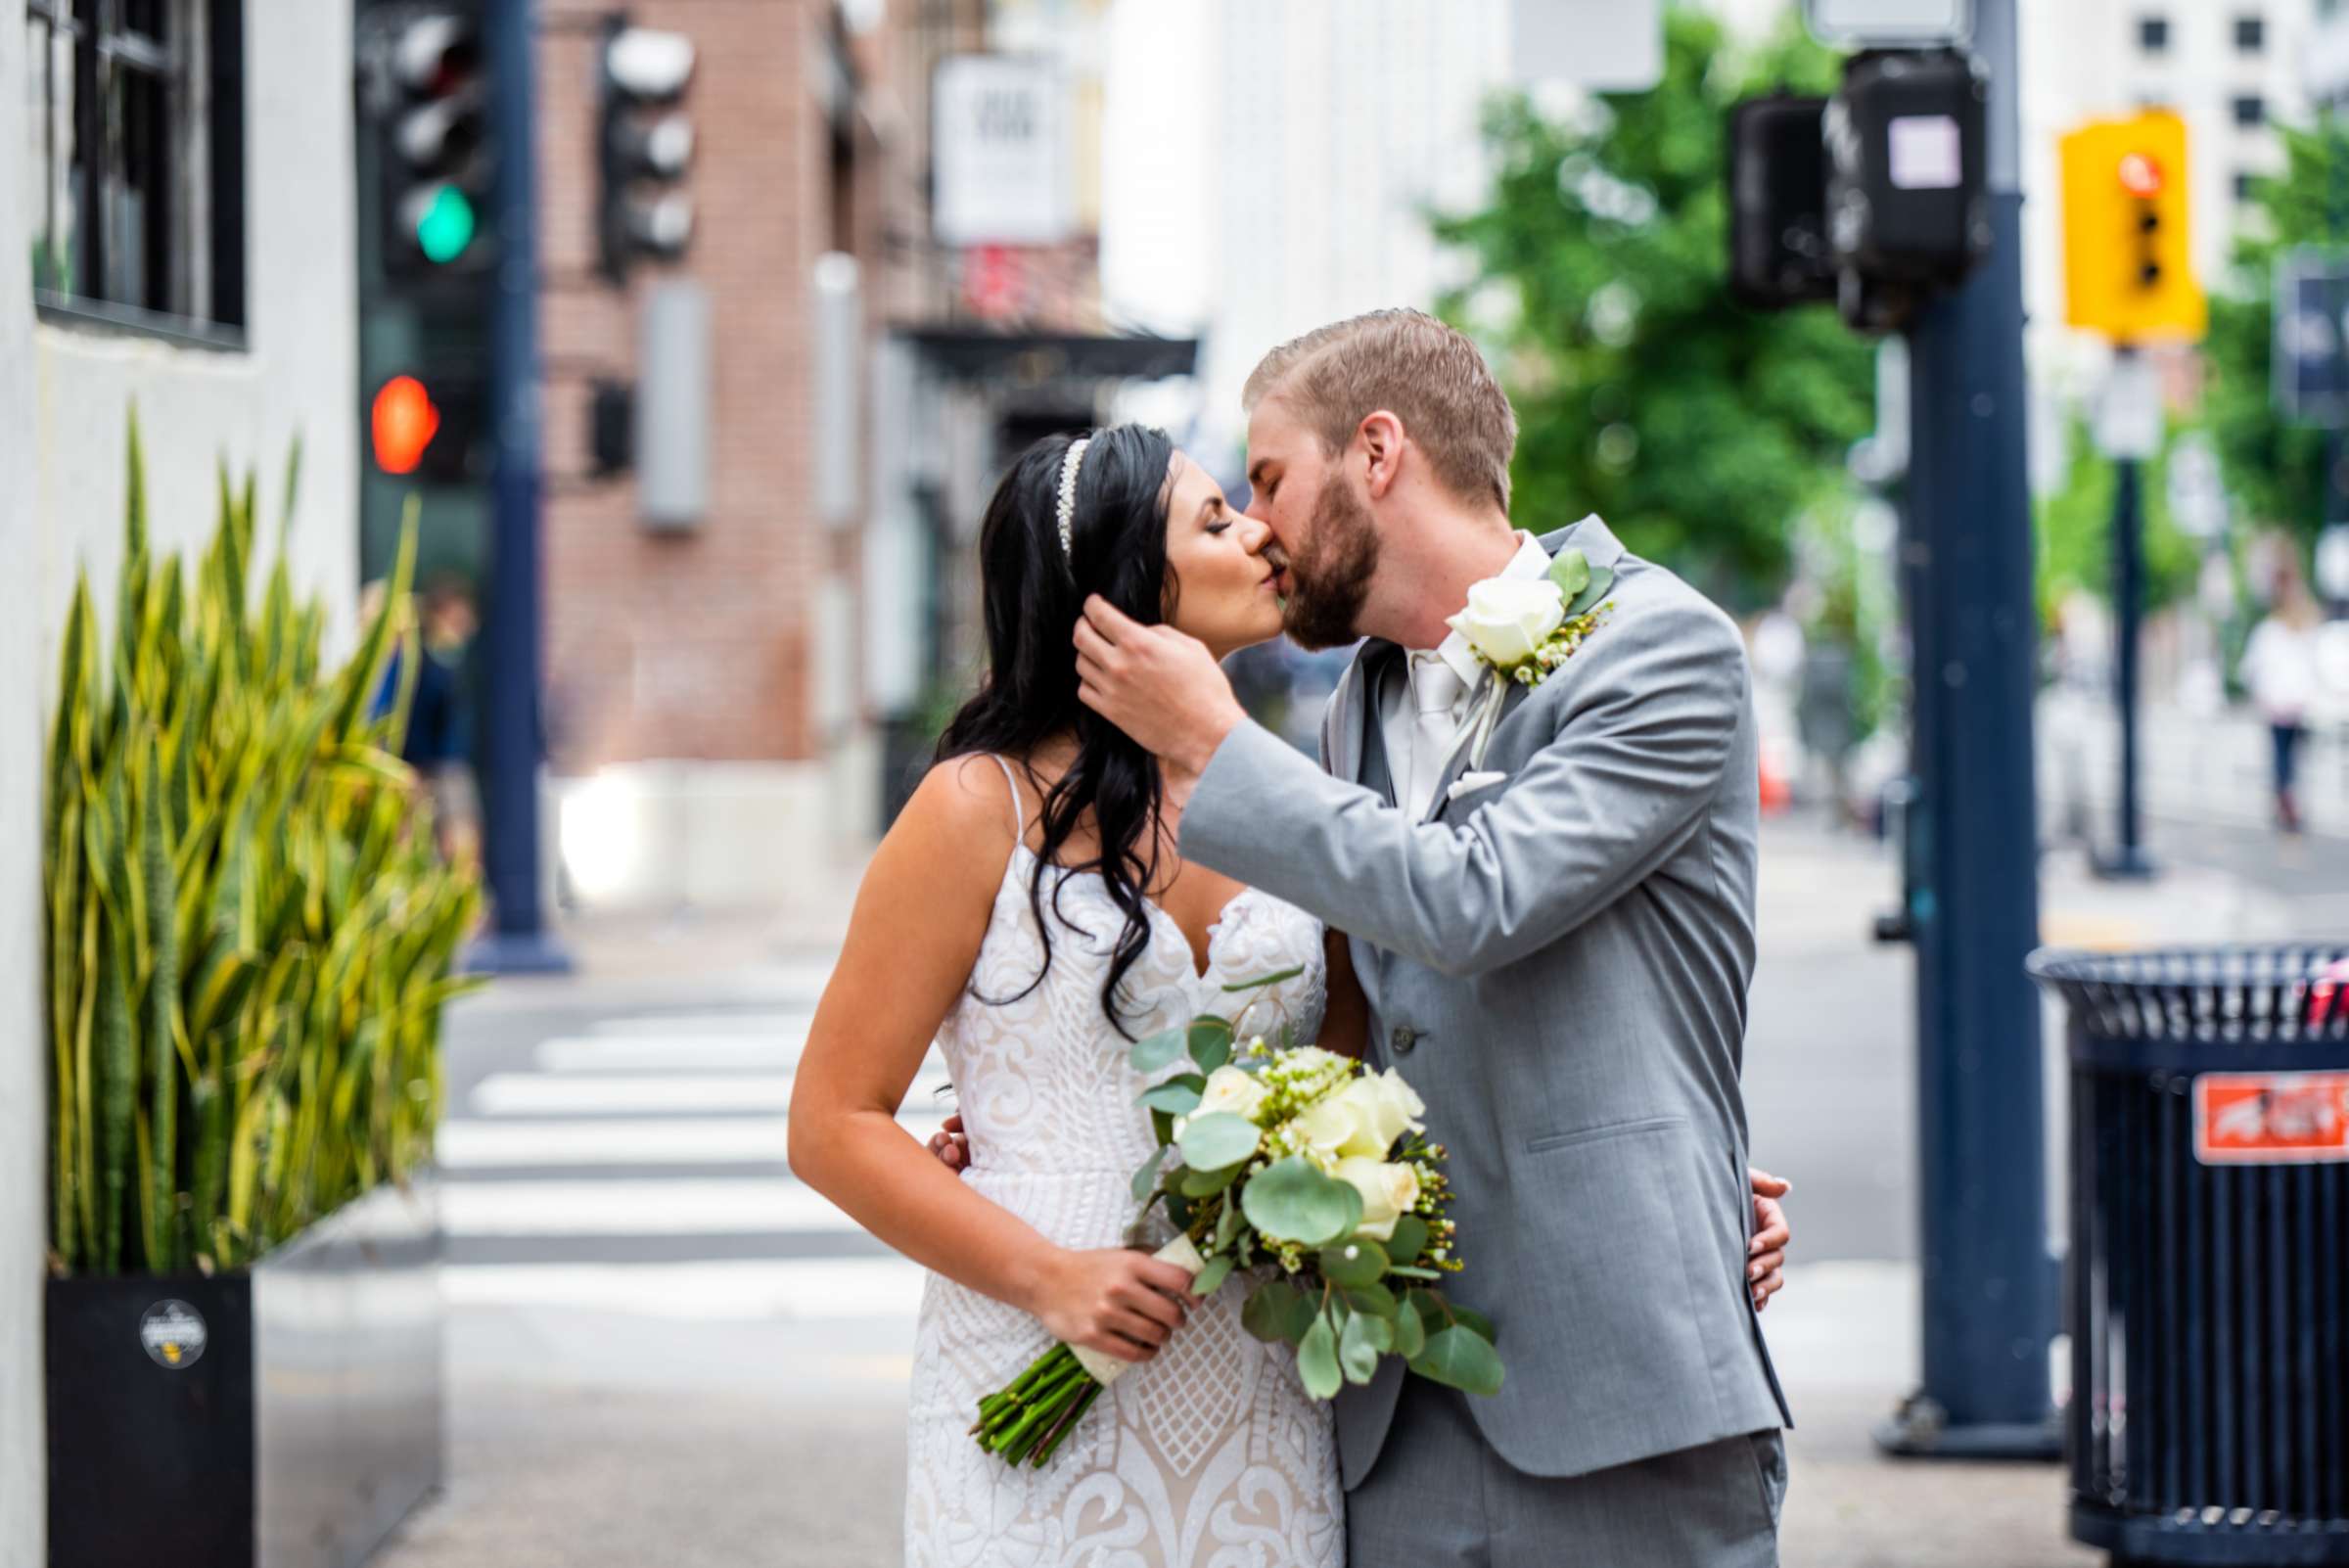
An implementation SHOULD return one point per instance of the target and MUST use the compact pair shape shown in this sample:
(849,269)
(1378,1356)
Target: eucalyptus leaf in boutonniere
(1524,628)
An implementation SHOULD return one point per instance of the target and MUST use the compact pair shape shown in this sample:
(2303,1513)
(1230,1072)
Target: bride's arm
(1345,1020)
(919,919)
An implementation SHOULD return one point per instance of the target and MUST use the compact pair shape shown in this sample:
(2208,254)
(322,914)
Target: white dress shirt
(1398,717)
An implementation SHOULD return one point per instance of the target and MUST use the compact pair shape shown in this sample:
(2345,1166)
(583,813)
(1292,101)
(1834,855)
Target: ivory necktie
(1436,694)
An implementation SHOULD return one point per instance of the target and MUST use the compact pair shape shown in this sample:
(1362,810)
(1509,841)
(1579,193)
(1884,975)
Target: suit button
(1402,1040)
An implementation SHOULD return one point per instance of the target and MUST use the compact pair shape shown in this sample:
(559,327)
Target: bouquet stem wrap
(1026,1421)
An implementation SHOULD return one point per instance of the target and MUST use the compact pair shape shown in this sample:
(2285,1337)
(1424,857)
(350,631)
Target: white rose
(1509,617)
(1230,1090)
(1327,1125)
(1375,1118)
(1387,1192)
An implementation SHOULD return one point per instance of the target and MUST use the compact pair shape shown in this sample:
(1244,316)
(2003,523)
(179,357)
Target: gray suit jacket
(1558,962)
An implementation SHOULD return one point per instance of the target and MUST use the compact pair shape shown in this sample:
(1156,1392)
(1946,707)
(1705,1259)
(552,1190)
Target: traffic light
(1777,203)
(437,154)
(2128,271)
(645,143)
(1906,211)
(429,429)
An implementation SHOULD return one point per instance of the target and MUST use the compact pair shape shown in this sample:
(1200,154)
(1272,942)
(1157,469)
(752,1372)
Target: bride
(1029,913)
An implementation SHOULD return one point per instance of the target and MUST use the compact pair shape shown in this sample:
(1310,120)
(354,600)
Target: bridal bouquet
(1295,1164)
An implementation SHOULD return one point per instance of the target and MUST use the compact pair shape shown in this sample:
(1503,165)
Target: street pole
(1990,1294)
(2129,861)
(518,941)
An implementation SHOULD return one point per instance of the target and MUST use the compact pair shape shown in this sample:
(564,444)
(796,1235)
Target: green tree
(2274,470)
(1698,428)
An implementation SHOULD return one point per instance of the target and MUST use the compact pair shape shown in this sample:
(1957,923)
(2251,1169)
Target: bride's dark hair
(1033,595)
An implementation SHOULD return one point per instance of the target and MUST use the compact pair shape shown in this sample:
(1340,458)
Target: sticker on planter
(2272,1118)
(174,1333)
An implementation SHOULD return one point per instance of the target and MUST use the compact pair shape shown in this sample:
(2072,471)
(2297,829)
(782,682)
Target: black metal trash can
(2207,1291)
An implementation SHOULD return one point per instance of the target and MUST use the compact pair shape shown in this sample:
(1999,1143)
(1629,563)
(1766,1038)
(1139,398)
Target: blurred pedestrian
(2280,668)
(440,739)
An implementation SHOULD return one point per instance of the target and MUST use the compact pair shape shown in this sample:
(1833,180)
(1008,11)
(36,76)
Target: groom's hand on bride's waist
(1159,685)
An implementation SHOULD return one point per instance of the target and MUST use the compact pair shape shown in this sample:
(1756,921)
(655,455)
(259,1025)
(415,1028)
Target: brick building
(735,700)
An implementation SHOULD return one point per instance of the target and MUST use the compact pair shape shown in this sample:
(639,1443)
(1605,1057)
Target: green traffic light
(447,226)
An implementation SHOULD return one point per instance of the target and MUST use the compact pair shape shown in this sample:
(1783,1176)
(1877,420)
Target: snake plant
(250,938)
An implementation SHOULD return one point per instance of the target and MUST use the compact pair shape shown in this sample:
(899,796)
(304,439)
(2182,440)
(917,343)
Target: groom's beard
(1330,579)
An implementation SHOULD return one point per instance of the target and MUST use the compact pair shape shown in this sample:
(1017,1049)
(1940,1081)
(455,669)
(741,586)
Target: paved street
(664,1349)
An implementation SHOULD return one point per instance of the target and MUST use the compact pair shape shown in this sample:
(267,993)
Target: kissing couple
(1523,875)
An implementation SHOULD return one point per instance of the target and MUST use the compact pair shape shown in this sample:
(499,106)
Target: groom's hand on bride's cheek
(1157,684)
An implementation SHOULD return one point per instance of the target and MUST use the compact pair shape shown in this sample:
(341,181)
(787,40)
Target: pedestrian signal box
(2128,271)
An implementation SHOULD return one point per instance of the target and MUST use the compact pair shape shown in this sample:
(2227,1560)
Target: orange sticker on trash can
(2271,1117)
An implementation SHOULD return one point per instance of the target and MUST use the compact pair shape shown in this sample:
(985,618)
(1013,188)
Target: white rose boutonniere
(1524,628)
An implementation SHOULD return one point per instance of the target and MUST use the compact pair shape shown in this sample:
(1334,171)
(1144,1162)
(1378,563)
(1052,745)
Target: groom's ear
(1381,434)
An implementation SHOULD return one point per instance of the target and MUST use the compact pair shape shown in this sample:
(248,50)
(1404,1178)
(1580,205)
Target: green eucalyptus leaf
(1177,1095)
(1414,1272)
(1462,1358)
(1376,1299)
(1156,1051)
(1408,1240)
(1197,1184)
(1358,1347)
(1228,1226)
(1262,981)
(1570,569)
(1411,1334)
(1211,1049)
(1602,579)
(1146,1176)
(1268,1308)
(1470,1317)
(1356,1261)
(1317,1361)
(1218,1139)
(1217,1270)
(1291,1201)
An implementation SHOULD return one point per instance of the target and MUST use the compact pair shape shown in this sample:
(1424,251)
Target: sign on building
(999,139)
(1601,46)
(1889,23)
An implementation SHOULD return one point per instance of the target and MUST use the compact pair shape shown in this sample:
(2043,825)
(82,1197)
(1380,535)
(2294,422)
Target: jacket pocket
(1605,1130)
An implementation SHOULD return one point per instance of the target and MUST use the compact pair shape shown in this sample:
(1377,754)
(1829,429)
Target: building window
(2250,35)
(2153,34)
(2243,187)
(136,182)
(2250,110)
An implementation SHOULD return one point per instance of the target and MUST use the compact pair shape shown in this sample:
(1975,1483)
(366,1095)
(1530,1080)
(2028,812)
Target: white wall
(64,391)
(22,1143)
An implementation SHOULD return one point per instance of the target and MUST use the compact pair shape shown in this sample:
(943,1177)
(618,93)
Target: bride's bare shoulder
(966,797)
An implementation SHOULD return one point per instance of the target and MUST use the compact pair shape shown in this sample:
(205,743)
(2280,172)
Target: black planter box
(288,1417)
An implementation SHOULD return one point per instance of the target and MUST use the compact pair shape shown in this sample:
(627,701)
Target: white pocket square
(1470,783)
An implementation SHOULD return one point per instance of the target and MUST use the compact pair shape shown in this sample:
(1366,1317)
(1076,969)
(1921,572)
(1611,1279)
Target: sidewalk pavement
(703,1433)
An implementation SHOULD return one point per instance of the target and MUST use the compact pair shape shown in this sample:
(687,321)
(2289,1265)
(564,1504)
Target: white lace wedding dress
(1209,1455)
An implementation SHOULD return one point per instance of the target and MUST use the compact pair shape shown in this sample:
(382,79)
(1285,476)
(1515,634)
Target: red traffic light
(2140,175)
(404,422)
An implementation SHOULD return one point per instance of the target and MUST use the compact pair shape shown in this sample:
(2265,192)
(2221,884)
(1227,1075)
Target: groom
(1556,938)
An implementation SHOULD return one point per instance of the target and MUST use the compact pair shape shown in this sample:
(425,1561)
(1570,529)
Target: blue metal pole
(1989,1285)
(518,942)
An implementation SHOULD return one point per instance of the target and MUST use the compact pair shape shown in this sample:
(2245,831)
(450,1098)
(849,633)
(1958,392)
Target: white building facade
(203,268)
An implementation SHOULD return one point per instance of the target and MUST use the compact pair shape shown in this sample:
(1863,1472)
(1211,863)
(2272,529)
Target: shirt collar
(1530,561)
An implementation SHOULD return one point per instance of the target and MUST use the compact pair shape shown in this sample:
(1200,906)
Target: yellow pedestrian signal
(2128,271)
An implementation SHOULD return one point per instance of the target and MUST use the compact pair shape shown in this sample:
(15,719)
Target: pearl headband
(1067,492)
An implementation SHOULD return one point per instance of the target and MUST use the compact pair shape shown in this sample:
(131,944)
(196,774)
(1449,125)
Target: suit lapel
(1376,769)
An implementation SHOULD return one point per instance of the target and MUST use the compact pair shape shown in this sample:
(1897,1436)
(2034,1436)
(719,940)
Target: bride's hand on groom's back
(1766,1254)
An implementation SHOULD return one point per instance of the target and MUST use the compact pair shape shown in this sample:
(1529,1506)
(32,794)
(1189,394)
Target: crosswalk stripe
(632,1208)
(470,1143)
(538,1094)
(675,1054)
(844,1288)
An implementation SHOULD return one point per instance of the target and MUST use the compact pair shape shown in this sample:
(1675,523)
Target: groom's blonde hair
(1425,373)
